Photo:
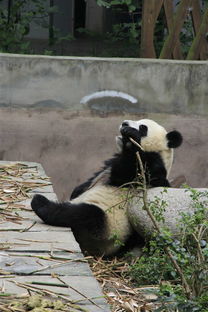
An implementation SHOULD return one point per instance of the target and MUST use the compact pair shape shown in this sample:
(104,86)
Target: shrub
(179,265)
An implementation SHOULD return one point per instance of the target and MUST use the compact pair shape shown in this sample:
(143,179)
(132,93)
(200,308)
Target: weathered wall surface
(158,85)
(42,119)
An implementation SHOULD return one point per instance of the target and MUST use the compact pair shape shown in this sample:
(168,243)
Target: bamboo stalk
(48,284)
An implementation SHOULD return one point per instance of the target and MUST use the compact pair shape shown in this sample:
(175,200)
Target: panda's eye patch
(143,130)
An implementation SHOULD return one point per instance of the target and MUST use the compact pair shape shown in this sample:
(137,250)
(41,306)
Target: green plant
(181,260)
(116,240)
(15,21)
(124,37)
(152,267)
(48,52)
(131,4)
(189,251)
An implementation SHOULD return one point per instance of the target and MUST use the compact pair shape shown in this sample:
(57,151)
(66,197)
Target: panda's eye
(143,130)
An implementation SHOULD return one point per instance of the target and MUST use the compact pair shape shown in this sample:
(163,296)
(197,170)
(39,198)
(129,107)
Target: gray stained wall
(160,86)
(64,112)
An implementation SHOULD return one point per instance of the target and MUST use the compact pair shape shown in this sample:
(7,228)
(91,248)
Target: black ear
(174,139)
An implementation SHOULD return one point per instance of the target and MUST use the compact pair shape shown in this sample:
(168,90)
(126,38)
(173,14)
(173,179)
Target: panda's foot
(41,205)
(38,202)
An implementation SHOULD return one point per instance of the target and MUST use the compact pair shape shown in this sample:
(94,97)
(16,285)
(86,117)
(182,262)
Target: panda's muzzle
(129,133)
(124,124)
(126,128)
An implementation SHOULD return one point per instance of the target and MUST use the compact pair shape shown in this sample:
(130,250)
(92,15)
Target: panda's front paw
(129,132)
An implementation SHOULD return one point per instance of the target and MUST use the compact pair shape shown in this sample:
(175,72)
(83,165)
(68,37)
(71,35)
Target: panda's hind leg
(77,216)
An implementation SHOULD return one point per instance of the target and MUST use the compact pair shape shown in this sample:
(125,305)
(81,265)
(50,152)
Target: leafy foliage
(124,37)
(15,21)
(189,250)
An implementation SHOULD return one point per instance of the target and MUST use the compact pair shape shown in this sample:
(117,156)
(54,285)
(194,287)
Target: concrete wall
(159,86)
(43,117)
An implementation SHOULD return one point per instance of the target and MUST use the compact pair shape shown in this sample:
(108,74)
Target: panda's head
(154,138)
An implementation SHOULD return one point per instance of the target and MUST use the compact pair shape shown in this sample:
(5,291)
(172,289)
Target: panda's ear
(174,139)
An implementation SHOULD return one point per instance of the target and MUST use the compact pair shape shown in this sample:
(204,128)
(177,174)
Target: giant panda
(97,208)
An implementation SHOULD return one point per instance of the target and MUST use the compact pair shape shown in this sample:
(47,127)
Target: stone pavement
(33,254)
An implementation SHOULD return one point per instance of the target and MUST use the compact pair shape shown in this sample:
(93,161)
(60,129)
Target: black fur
(175,139)
(88,222)
(66,214)
(84,186)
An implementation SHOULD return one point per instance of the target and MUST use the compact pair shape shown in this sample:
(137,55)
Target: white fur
(155,141)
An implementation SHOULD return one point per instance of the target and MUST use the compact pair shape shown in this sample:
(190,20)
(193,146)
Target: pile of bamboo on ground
(16,181)
(120,292)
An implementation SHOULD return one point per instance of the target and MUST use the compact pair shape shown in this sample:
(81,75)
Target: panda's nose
(124,124)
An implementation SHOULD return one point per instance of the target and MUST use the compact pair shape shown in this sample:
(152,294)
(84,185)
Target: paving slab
(77,288)
(79,283)
(33,225)
(39,241)
(41,264)
(35,254)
